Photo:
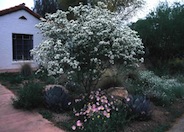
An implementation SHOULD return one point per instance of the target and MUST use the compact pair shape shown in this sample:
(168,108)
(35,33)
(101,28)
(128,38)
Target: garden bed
(161,120)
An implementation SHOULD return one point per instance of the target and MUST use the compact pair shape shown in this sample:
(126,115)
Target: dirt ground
(161,117)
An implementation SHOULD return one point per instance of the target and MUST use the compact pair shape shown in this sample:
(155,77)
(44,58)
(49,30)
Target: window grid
(22,44)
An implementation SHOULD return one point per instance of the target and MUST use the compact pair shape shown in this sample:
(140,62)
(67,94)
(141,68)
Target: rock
(118,92)
(47,87)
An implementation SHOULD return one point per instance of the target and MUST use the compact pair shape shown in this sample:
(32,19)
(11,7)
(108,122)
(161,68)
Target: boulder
(118,92)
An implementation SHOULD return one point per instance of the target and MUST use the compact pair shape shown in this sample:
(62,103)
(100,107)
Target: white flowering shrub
(85,46)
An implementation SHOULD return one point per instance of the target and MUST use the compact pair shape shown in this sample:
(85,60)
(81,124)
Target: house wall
(10,23)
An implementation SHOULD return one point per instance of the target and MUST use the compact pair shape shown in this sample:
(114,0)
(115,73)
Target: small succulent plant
(57,99)
(139,106)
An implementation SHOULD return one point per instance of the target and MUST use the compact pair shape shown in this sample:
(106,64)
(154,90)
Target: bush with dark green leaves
(30,96)
(72,86)
(162,33)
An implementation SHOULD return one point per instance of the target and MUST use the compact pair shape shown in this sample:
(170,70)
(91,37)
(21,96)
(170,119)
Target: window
(22,44)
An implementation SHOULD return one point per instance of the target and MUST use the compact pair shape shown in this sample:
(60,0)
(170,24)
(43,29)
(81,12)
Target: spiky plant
(57,99)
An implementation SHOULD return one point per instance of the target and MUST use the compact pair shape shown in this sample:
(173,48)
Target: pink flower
(93,106)
(97,103)
(98,98)
(127,99)
(100,108)
(105,113)
(94,109)
(108,110)
(108,115)
(91,97)
(106,101)
(87,111)
(73,127)
(79,123)
(106,106)
(77,100)
(77,114)
(102,100)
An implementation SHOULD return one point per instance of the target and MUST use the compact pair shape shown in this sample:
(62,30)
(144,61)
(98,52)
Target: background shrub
(26,70)
(162,33)
(29,96)
(176,66)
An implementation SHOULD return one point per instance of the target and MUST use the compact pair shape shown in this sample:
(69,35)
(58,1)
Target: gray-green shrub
(163,89)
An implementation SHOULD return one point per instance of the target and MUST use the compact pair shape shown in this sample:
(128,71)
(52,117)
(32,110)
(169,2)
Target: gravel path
(178,125)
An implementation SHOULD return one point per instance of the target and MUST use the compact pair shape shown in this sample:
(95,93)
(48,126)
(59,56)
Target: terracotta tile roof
(17,8)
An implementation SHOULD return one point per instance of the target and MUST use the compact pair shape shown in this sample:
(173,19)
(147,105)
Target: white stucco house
(18,35)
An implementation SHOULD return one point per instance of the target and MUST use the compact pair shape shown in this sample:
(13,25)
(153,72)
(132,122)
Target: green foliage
(117,5)
(178,91)
(12,78)
(131,6)
(118,119)
(42,75)
(162,33)
(139,106)
(64,4)
(26,70)
(176,66)
(57,99)
(46,114)
(45,6)
(161,128)
(29,96)
(72,86)
(99,124)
